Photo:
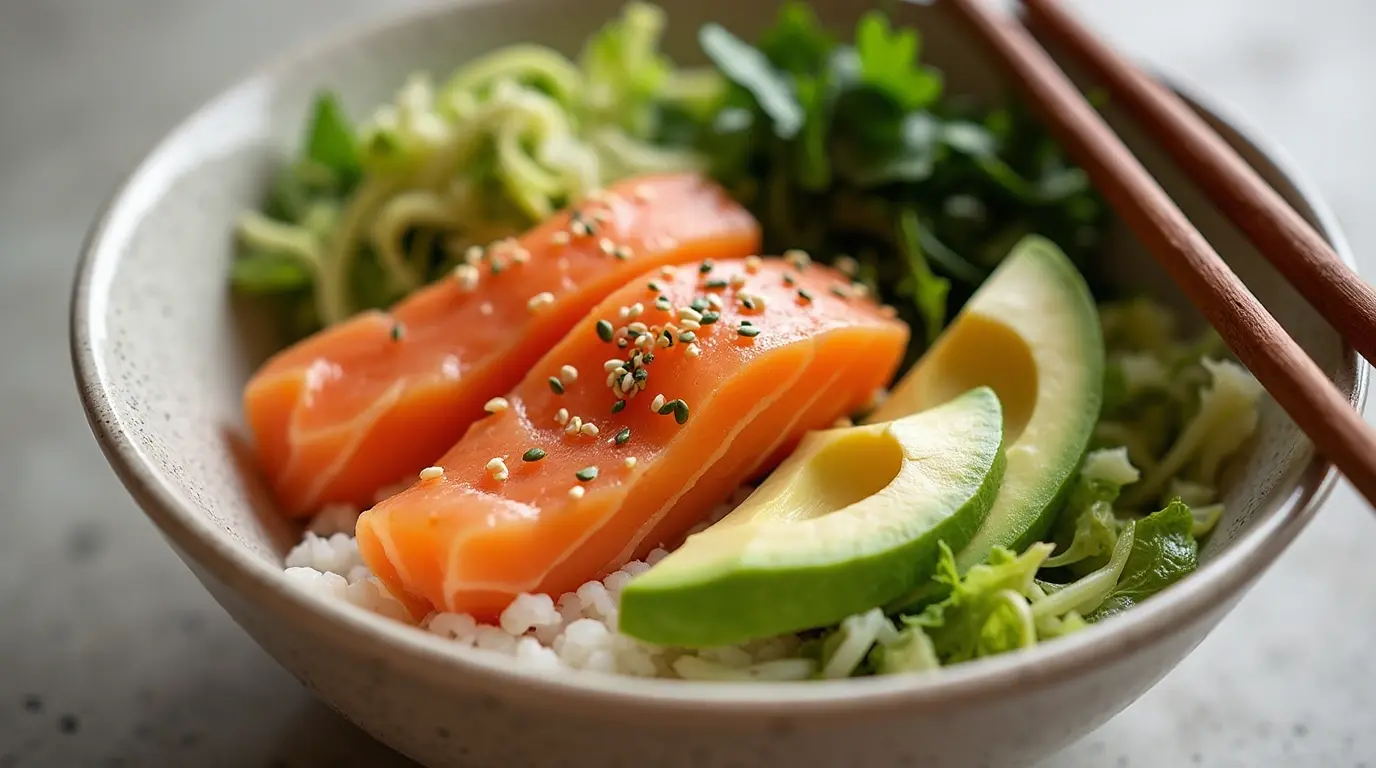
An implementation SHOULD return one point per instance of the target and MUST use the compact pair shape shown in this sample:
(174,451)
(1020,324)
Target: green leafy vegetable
(928,291)
(1087,522)
(888,62)
(747,67)
(1163,551)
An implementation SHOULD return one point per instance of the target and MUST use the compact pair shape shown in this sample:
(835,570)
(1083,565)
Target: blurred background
(112,655)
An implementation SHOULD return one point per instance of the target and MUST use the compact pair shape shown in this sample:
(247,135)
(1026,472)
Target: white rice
(575,632)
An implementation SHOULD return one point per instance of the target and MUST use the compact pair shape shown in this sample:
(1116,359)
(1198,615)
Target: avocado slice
(849,521)
(1031,332)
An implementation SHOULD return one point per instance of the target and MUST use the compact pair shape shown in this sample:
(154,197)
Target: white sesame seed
(612,378)
(576,492)
(688,313)
(432,473)
(575,424)
(520,256)
(689,325)
(693,351)
(496,405)
(637,309)
(612,364)
(752,264)
(623,252)
(662,341)
(797,258)
(589,430)
(561,416)
(466,275)
(473,255)
(714,301)
(623,313)
(627,382)
(578,228)
(630,462)
(643,340)
(638,327)
(860,289)
(737,280)
(560,238)
(657,403)
(539,301)
(606,245)
(568,374)
(497,468)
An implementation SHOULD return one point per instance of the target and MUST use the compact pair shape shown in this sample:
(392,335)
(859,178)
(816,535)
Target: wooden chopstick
(1292,378)
(1277,230)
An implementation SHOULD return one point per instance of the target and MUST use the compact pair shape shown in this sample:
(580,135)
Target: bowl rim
(208,550)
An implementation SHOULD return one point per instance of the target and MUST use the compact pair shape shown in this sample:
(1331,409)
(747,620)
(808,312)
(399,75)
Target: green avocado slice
(1031,332)
(851,520)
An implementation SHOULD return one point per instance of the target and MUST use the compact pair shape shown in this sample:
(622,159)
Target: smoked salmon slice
(654,408)
(374,399)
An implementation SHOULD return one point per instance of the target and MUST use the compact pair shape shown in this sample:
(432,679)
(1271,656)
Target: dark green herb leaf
(748,68)
(888,61)
(927,290)
(330,138)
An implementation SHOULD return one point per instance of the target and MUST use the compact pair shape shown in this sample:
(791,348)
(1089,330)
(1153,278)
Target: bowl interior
(164,348)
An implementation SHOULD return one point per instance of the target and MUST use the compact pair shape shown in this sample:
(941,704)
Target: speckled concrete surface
(111,654)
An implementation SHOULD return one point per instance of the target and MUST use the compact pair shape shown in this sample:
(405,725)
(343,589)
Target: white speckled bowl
(161,354)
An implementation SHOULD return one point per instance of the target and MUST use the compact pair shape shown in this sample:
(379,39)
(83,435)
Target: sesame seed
(398,331)
(612,365)
(657,403)
(539,301)
(649,357)
(705,267)
(586,474)
(568,374)
(687,337)
(623,313)
(628,381)
(556,386)
(575,426)
(618,406)
(576,492)
(560,238)
(709,318)
(680,411)
(747,300)
(847,265)
(748,331)
(662,304)
(629,462)
(606,245)
(640,375)
(496,405)
(714,301)
(805,295)
(653,286)
(797,258)
(860,289)
(752,264)
(637,328)
(589,429)
(688,313)
(716,284)
(473,255)
(666,408)
(561,416)
(604,330)
(432,473)
(578,227)
(643,340)
(789,279)
(737,280)
(534,454)
(623,252)
(693,351)
(495,265)
(637,309)
(839,292)
(612,378)
(466,275)
(497,468)
(689,325)
(665,340)
(699,304)
(667,271)
(622,343)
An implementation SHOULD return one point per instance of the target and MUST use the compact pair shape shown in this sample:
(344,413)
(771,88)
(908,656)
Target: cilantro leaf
(888,61)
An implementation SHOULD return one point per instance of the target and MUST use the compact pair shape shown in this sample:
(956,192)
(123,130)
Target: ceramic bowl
(161,352)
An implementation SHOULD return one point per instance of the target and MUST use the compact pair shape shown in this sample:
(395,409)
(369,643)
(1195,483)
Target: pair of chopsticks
(1298,252)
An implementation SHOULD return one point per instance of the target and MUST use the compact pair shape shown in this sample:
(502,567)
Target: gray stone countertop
(110,652)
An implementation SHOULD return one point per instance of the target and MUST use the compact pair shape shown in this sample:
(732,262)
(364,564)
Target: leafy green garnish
(1164,550)
(888,62)
(927,290)
(330,139)
(745,66)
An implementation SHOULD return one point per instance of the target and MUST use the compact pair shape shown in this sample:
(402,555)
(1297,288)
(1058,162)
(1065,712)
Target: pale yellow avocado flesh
(851,520)
(1031,332)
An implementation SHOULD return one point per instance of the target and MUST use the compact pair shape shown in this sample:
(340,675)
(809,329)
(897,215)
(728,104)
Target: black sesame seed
(709,317)
(398,331)
(556,385)
(586,474)
(705,267)
(716,284)
(680,411)
(748,331)
(805,294)
(667,408)
(623,435)
(640,374)
(699,304)
(618,406)
(534,454)
(604,330)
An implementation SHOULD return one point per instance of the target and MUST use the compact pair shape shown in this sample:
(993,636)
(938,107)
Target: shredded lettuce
(1088,521)
(1164,550)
